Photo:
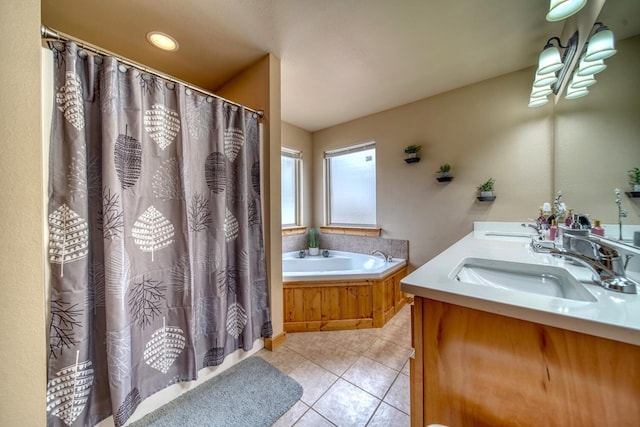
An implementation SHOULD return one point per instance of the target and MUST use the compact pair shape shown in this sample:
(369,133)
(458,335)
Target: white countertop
(614,315)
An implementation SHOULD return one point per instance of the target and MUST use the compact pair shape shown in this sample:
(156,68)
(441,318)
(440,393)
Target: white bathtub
(338,266)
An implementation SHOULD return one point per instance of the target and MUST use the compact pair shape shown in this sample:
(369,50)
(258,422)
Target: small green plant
(413,149)
(445,168)
(634,176)
(313,238)
(487,185)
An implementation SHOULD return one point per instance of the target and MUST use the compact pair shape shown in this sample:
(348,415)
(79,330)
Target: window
(290,170)
(351,185)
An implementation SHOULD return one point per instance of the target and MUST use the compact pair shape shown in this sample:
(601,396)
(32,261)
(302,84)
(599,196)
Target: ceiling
(340,59)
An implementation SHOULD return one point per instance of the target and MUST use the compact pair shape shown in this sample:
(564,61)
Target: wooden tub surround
(475,368)
(342,304)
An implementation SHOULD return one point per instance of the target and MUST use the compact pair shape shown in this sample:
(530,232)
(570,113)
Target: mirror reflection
(597,137)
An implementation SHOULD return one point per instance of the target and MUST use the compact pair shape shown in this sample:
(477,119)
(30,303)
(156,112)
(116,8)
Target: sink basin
(510,234)
(538,279)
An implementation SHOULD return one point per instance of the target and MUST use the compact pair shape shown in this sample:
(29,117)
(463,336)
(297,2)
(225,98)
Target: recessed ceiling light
(162,40)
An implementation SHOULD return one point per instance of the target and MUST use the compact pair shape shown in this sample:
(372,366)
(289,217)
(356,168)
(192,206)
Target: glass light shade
(601,45)
(162,41)
(549,60)
(545,79)
(587,68)
(576,93)
(562,9)
(537,102)
(582,81)
(538,92)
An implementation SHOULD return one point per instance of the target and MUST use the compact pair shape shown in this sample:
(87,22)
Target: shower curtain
(155,236)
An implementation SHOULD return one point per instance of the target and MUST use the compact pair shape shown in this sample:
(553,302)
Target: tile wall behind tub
(359,244)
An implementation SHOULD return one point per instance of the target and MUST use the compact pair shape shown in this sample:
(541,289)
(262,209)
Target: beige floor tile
(388,416)
(282,358)
(345,373)
(334,358)
(313,419)
(358,340)
(388,353)
(346,405)
(405,369)
(290,417)
(314,380)
(403,316)
(397,334)
(308,345)
(398,395)
(371,376)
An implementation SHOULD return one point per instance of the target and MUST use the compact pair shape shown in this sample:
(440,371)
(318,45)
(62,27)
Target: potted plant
(444,173)
(313,237)
(485,190)
(634,179)
(412,153)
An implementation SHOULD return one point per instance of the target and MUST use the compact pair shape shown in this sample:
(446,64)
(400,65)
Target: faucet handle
(542,246)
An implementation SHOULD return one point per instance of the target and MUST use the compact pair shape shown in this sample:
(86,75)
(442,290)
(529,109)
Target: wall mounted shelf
(412,160)
(632,194)
(486,198)
(444,178)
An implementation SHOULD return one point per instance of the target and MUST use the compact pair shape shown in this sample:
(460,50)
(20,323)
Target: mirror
(597,137)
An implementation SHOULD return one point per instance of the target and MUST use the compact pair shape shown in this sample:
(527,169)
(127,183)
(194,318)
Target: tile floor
(350,378)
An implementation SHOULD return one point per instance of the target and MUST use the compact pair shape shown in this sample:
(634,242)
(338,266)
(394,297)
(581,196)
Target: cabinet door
(484,369)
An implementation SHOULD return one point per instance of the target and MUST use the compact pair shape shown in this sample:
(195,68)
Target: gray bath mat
(250,393)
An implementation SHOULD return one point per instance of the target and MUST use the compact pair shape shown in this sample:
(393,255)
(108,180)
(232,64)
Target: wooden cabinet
(474,368)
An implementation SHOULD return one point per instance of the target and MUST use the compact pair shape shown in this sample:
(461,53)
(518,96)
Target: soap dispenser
(542,221)
(597,229)
(553,230)
(569,220)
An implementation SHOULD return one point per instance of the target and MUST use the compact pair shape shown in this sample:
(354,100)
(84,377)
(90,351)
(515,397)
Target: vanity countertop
(613,315)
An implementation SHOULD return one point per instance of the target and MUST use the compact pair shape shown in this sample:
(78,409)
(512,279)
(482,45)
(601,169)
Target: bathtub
(343,291)
(337,266)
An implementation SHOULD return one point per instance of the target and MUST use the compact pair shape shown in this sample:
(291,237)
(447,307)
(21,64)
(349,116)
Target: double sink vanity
(505,334)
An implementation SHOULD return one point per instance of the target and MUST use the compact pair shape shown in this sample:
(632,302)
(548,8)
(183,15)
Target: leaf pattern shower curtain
(156,250)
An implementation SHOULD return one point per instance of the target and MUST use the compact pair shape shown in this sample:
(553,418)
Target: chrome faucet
(538,227)
(605,263)
(622,213)
(387,258)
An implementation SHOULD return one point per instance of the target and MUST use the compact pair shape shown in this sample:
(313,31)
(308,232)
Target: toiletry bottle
(597,229)
(552,231)
(542,221)
(569,220)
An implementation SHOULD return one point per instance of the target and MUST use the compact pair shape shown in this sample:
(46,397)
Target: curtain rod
(49,34)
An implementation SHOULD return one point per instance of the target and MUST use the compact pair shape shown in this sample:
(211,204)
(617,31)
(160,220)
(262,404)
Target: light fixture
(549,60)
(162,41)
(582,81)
(590,67)
(601,45)
(552,69)
(537,102)
(573,93)
(545,79)
(538,92)
(562,9)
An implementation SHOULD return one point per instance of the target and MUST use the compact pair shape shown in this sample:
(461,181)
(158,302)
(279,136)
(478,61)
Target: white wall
(597,139)
(23,329)
(300,139)
(483,130)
